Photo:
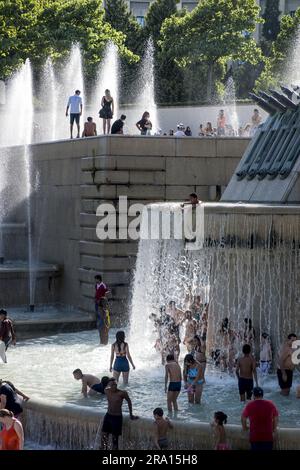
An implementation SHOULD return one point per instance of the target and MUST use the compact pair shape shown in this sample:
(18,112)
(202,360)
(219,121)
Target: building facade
(139,8)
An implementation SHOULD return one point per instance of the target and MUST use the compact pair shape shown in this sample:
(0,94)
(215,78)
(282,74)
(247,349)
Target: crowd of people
(178,330)
(145,126)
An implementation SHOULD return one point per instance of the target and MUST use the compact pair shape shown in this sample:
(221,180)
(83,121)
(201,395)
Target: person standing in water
(113,420)
(12,435)
(102,309)
(161,427)
(193,378)
(7,334)
(120,349)
(94,384)
(245,371)
(285,365)
(173,374)
(75,105)
(265,357)
(107,111)
(220,419)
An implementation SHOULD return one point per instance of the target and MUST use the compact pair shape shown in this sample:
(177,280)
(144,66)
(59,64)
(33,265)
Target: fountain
(230,105)
(145,87)
(70,78)
(48,99)
(107,78)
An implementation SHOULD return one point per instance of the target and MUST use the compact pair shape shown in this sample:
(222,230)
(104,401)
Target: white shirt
(74,103)
(179,134)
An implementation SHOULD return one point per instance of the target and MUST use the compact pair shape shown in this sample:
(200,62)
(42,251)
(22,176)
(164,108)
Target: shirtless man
(286,366)
(246,371)
(89,129)
(161,426)
(113,420)
(173,374)
(175,313)
(7,334)
(190,331)
(94,384)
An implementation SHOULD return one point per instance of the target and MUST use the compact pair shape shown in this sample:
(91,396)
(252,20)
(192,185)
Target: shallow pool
(43,367)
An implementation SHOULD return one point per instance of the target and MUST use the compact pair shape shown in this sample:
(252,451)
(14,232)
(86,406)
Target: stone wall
(76,176)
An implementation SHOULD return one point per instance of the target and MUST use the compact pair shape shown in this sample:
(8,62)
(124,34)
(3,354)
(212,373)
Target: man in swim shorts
(246,371)
(285,365)
(94,384)
(173,374)
(113,420)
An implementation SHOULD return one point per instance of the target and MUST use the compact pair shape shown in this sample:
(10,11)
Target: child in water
(161,427)
(220,419)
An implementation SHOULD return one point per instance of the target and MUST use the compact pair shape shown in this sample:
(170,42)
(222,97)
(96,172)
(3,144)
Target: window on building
(292,13)
(139,10)
(141,20)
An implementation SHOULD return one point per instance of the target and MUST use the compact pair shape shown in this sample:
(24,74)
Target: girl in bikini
(120,349)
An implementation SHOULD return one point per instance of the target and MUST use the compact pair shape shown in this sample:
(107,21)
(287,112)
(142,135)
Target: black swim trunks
(74,117)
(112,424)
(246,386)
(163,443)
(174,387)
(98,388)
(288,384)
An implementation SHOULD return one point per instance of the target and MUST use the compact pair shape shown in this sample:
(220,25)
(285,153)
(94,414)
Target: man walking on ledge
(75,105)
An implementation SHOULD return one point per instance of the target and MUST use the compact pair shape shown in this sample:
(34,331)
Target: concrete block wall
(145,169)
(75,176)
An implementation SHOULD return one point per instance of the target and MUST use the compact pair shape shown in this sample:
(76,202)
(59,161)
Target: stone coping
(185,435)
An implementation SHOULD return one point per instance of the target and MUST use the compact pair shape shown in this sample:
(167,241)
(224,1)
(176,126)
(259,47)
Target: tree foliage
(215,31)
(271,26)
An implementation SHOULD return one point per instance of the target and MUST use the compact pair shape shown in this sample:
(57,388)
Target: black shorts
(98,388)
(74,117)
(112,424)
(174,387)
(288,384)
(246,386)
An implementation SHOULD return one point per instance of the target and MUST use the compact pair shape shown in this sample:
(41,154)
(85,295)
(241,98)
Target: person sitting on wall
(7,334)
(102,309)
(194,201)
(94,384)
(118,125)
(89,129)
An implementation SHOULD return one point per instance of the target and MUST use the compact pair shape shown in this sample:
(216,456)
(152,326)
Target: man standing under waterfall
(102,309)
(7,334)
(285,365)
(75,105)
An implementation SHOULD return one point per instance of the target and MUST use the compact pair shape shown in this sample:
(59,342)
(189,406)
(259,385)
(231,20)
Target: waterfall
(48,98)
(241,272)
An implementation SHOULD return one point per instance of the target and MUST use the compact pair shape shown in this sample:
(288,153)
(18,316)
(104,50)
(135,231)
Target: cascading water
(291,70)
(241,272)
(230,105)
(70,79)
(107,78)
(145,87)
(48,99)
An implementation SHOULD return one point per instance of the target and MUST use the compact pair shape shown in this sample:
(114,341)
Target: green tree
(213,33)
(158,11)
(284,56)
(271,26)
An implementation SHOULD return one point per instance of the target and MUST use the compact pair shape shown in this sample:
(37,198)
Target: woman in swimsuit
(107,111)
(11,436)
(121,364)
(200,352)
(193,379)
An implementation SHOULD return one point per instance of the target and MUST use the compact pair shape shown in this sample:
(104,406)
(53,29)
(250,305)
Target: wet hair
(265,335)
(111,379)
(189,358)
(123,117)
(248,322)
(4,413)
(220,417)
(77,92)
(77,371)
(172,302)
(104,381)
(158,412)
(246,349)
(89,119)
(145,114)
(170,357)
(120,339)
(258,392)
(3,312)
(225,324)
(194,195)
(98,277)
(107,91)
(290,336)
